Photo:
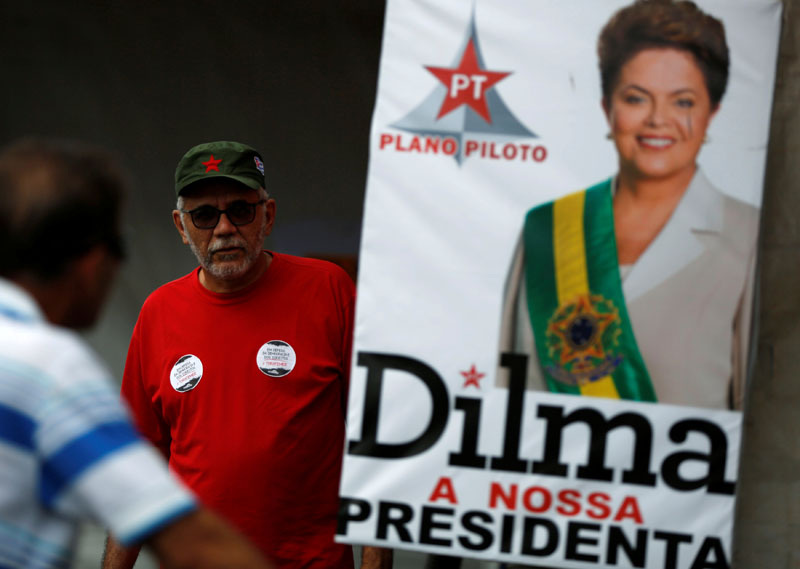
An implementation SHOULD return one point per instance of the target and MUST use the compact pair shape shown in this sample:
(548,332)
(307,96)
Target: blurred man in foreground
(67,449)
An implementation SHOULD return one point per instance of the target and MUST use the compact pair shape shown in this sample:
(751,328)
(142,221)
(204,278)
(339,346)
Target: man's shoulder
(43,353)
(310,267)
(306,263)
(173,289)
(40,337)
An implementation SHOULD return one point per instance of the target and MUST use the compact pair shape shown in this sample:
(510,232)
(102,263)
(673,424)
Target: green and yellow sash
(583,335)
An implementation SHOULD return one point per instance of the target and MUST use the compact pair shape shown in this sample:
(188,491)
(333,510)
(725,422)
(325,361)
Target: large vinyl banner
(555,298)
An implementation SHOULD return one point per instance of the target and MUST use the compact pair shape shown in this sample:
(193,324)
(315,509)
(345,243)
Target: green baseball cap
(221,159)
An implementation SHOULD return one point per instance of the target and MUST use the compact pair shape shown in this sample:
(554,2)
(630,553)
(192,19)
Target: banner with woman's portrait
(556,299)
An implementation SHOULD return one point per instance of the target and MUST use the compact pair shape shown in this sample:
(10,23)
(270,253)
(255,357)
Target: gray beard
(227,271)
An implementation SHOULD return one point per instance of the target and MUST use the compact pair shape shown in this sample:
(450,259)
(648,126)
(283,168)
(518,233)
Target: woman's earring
(610,136)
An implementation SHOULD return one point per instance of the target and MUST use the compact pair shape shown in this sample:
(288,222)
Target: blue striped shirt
(68,451)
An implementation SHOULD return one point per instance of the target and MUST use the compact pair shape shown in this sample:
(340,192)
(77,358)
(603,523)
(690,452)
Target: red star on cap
(473,377)
(467,84)
(212,164)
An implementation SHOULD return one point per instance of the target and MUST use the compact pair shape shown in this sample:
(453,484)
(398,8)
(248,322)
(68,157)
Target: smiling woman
(640,286)
(658,113)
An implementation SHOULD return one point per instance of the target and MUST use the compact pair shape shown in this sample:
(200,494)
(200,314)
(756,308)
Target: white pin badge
(276,358)
(186,373)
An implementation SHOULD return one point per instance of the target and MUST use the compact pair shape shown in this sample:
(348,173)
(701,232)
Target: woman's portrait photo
(640,287)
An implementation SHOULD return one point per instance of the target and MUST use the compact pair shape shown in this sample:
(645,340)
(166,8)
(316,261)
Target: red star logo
(467,84)
(212,164)
(473,377)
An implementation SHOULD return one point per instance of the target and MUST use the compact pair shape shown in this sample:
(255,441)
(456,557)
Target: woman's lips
(656,142)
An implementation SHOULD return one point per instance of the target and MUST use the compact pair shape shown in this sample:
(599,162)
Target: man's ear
(269,212)
(85,287)
(87,265)
(178,221)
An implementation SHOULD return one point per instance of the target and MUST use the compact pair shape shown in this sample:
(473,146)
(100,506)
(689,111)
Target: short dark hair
(681,25)
(58,200)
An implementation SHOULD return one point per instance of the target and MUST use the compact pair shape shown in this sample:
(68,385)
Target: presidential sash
(584,338)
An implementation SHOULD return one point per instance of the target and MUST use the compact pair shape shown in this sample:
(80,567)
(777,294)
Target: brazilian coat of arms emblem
(582,340)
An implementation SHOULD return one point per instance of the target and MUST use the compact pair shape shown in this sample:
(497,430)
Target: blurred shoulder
(44,354)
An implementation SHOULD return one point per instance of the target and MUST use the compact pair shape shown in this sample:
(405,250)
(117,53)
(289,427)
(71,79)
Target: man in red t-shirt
(238,371)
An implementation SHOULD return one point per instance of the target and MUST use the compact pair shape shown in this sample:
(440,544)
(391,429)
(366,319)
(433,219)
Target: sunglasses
(239,213)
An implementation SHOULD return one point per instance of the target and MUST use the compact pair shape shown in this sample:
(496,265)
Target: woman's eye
(685,103)
(633,99)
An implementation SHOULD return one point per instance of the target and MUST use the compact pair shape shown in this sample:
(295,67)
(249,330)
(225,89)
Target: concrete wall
(768,517)
(149,80)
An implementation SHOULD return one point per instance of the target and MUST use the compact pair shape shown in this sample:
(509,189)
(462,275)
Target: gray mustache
(225,244)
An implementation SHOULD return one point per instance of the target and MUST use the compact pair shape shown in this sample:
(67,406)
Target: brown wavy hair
(648,24)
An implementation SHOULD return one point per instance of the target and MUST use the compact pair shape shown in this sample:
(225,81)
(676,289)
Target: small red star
(467,84)
(212,164)
(473,377)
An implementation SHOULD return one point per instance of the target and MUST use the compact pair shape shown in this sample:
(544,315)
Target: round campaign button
(186,373)
(276,358)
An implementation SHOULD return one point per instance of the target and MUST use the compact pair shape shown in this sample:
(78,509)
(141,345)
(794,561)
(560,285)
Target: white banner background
(438,234)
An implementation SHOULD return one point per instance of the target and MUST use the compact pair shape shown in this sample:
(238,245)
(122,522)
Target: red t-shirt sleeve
(142,404)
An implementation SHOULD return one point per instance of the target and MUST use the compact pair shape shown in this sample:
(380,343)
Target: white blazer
(689,297)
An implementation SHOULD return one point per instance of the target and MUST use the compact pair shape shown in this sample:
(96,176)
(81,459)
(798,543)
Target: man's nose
(224,225)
